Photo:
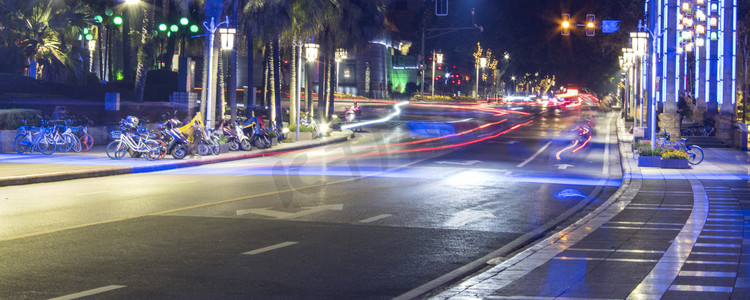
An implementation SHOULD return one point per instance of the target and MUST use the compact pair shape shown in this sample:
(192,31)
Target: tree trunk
(322,91)
(277,84)
(266,75)
(231,77)
(250,104)
(293,89)
(221,86)
(144,55)
(127,71)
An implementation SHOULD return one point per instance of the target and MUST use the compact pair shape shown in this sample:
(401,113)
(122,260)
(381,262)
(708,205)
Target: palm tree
(357,24)
(44,29)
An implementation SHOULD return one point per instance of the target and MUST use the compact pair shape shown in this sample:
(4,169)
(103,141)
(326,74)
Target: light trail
(381,120)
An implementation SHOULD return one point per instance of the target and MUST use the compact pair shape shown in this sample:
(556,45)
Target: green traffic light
(173,28)
(108,12)
(193,28)
(162,27)
(89,37)
(184,21)
(98,19)
(117,20)
(85,31)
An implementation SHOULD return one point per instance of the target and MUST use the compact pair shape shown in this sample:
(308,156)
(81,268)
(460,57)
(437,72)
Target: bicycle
(31,138)
(694,152)
(124,141)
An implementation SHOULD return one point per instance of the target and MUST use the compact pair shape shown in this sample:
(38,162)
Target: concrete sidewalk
(666,234)
(27,168)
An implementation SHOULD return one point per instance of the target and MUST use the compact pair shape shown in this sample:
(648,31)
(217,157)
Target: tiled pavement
(667,234)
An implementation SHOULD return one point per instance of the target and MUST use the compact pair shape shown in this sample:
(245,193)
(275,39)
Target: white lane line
(90,193)
(534,156)
(89,292)
(269,248)
(700,288)
(375,218)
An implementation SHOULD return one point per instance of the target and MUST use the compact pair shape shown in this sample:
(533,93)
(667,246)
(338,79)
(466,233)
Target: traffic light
(590,26)
(565,24)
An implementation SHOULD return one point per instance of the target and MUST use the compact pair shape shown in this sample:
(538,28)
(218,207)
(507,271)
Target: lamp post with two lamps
(227,42)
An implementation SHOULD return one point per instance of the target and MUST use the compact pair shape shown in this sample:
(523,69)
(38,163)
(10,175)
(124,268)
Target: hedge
(11,119)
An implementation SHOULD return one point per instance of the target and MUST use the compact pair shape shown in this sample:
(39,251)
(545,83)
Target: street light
(311,54)
(341,55)
(227,38)
(436,58)
(639,41)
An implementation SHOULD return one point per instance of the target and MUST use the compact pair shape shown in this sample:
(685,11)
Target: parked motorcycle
(253,129)
(235,137)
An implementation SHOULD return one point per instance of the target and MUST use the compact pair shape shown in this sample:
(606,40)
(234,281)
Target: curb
(71,175)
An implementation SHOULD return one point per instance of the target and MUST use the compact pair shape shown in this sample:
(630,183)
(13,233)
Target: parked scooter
(234,135)
(253,129)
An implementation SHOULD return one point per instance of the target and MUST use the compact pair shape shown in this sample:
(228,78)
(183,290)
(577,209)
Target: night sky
(529,30)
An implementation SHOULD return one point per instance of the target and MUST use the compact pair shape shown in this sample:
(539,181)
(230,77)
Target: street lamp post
(638,43)
(211,28)
(311,54)
(480,63)
(341,55)
(436,58)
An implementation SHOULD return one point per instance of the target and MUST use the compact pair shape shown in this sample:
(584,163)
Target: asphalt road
(387,213)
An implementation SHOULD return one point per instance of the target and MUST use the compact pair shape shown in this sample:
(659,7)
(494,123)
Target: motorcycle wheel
(179,151)
(214,146)
(246,145)
(134,154)
(204,149)
(234,145)
(262,142)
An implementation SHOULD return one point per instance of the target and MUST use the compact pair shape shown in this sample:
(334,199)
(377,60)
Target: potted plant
(674,159)
(649,157)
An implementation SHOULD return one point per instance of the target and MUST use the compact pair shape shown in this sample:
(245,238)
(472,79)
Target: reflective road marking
(269,248)
(89,292)
(535,155)
(375,218)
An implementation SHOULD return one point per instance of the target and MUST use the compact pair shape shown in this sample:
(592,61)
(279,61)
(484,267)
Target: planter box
(674,164)
(304,136)
(649,161)
(6,140)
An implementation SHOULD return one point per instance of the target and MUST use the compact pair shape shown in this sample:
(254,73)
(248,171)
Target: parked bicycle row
(179,140)
(51,136)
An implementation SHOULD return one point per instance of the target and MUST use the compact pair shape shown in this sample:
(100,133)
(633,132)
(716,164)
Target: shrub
(646,151)
(674,154)
(303,128)
(11,119)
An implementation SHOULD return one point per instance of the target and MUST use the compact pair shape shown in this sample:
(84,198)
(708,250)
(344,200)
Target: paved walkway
(666,234)
(16,169)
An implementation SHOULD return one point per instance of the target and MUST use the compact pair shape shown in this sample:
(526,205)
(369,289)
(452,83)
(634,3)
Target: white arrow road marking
(287,215)
(269,248)
(375,218)
(89,292)
(468,216)
(462,163)
(562,166)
